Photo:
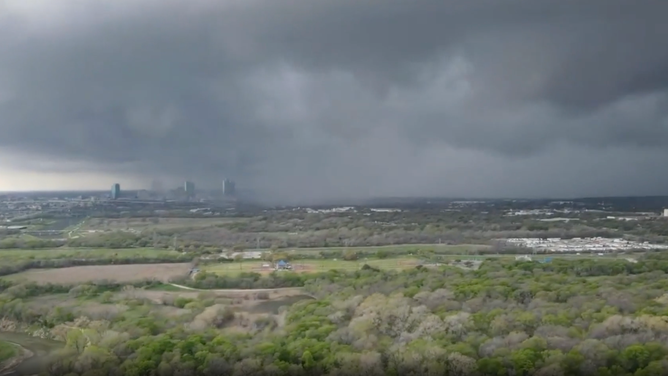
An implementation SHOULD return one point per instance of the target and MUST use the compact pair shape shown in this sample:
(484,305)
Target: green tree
(307,360)
(350,255)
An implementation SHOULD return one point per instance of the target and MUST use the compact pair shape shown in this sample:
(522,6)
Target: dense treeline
(288,229)
(13,296)
(28,290)
(114,240)
(295,229)
(371,235)
(15,242)
(507,318)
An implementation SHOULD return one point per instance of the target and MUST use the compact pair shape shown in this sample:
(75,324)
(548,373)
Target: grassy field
(115,273)
(459,249)
(7,351)
(312,266)
(139,224)
(393,263)
(165,287)
(14,255)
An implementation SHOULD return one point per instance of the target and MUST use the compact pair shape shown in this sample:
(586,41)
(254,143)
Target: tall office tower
(189,188)
(115,191)
(228,187)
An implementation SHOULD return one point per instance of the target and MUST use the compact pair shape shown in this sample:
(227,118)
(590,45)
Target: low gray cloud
(339,98)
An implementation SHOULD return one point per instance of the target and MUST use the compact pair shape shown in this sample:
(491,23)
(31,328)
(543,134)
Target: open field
(399,248)
(450,251)
(42,224)
(312,266)
(26,237)
(391,250)
(115,273)
(139,224)
(457,248)
(394,263)
(13,255)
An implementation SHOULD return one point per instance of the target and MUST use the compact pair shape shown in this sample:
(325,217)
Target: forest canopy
(599,317)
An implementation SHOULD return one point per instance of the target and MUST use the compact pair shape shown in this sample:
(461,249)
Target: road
(75,229)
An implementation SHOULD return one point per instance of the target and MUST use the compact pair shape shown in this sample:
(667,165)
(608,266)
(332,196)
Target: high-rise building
(115,191)
(228,187)
(189,188)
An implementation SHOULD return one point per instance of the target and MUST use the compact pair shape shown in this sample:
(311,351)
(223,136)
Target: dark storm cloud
(334,98)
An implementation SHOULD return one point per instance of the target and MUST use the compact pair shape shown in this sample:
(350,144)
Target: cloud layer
(304,100)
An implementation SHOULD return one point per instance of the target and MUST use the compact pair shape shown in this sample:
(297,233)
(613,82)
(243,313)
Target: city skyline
(467,99)
(104,186)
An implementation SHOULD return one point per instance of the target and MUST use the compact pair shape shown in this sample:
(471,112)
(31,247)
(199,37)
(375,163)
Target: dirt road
(283,290)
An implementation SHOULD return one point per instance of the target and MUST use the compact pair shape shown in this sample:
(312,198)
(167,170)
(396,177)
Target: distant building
(665,212)
(143,194)
(189,188)
(115,191)
(228,187)
(16,227)
(156,186)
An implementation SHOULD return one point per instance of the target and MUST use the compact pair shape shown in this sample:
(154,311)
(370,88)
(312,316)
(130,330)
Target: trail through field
(76,230)
(279,289)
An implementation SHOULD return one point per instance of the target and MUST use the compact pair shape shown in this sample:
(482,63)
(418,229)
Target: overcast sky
(310,100)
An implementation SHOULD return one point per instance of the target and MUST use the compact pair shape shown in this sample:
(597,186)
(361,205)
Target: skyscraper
(228,187)
(189,188)
(115,191)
